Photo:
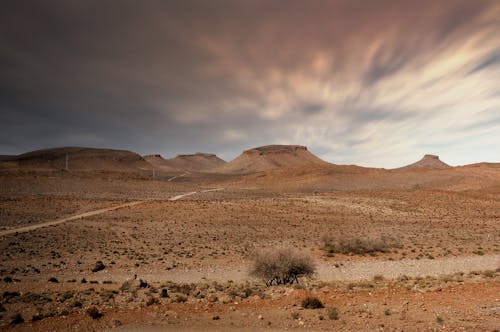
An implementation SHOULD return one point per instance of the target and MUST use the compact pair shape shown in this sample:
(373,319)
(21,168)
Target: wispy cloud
(376,83)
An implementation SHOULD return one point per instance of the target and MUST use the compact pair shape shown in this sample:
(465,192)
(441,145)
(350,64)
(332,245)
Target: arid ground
(176,252)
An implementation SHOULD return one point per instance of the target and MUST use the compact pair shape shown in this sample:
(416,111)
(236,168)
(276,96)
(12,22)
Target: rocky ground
(434,263)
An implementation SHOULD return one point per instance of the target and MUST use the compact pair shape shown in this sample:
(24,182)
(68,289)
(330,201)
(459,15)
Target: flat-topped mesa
(269,157)
(276,148)
(198,161)
(81,158)
(153,156)
(198,154)
(429,161)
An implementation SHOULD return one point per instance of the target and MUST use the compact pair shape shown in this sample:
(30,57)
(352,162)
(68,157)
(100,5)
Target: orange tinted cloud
(376,83)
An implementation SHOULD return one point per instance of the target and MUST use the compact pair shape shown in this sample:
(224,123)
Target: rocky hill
(186,162)
(80,158)
(429,161)
(270,157)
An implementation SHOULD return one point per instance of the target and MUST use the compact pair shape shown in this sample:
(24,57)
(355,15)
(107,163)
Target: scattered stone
(99,265)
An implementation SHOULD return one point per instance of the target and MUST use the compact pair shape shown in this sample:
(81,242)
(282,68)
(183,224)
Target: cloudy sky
(375,83)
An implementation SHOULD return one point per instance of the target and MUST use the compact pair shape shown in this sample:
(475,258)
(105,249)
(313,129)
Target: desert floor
(189,244)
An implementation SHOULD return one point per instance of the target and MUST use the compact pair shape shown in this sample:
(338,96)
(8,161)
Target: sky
(375,83)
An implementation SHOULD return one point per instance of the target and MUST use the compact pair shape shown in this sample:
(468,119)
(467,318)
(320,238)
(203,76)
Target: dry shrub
(359,245)
(312,303)
(281,266)
(333,313)
(94,312)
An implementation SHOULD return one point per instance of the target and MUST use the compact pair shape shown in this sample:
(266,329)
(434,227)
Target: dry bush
(16,319)
(333,313)
(359,245)
(281,266)
(94,312)
(312,303)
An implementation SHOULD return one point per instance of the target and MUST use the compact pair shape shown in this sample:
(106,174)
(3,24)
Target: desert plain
(94,239)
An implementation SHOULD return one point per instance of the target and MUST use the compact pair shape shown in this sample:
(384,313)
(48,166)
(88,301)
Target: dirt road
(30,228)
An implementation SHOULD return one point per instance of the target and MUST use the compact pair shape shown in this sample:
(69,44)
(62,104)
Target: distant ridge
(270,157)
(186,162)
(429,161)
(80,158)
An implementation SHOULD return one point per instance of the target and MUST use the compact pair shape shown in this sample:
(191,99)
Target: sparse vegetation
(16,319)
(333,313)
(200,244)
(359,246)
(41,316)
(94,312)
(312,303)
(152,300)
(77,304)
(181,298)
(281,266)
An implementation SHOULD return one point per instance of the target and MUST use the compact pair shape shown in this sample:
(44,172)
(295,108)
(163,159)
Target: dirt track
(63,220)
(90,213)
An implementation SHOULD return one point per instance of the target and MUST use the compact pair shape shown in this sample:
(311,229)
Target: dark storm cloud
(220,76)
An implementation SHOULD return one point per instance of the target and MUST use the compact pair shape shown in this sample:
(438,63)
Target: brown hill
(186,162)
(270,157)
(328,177)
(429,161)
(80,158)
